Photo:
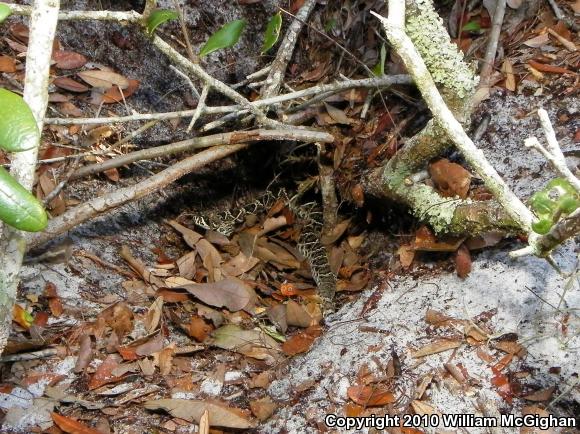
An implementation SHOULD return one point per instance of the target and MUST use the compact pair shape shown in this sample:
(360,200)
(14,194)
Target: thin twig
(204,142)
(100,205)
(278,71)
(56,191)
(200,108)
(186,78)
(491,50)
(375,82)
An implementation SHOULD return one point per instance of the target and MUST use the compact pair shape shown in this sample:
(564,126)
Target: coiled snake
(308,216)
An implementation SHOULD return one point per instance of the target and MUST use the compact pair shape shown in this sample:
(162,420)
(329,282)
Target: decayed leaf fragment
(437,346)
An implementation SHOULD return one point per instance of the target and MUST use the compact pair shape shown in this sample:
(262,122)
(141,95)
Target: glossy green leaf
(472,26)
(5,12)
(542,204)
(18,129)
(562,185)
(272,32)
(158,17)
(225,37)
(18,207)
(379,68)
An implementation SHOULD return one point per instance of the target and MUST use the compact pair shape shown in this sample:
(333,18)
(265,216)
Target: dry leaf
(104,79)
(406,254)
(263,408)
(189,236)
(69,84)
(437,346)
(104,373)
(538,41)
(451,179)
(153,315)
(541,395)
(198,328)
(68,59)
(192,411)
(422,408)
(371,395)
(116,94)
(463,261)
(85,355)
(297,316)
(551,69)
(72,426)
(21,316)
(230,293)
(7,64)
(252,343)
(301,342)
(510,78)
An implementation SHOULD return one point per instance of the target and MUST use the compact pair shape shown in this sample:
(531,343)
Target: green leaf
(18,207)
(225,37)
(18,129)
(542,226)
(5,12)
(158,17)
(330,24)
(272,32)
(379,68)
(472,26)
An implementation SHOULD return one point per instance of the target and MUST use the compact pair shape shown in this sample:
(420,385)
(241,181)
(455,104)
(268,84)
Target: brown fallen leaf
(510,78)
(68,59)
(541,395)
(69,84)
(422,408)
(104,79)
(192,410)
(7,64)
(406,254)
(551,69)
(371,395)
(439,319)
(263,408)
(451,179)
(117,94)
(297,316)
(426,241)
(252,343)
(72,426)
(21,316)
(231,293)
(437,346)
(301,342)
(463,261)
(198,328)
(104,373)
(153,315)
(85,355)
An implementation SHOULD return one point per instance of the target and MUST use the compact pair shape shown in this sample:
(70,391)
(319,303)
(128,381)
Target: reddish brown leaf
(68,59)
(263,408)
(541,395)
(104,373)
(301,342)
(552,69)
(170,296)
(198,328)
(463,261)
(371,395)
(7,64)
(72,426)
(113,95)
(69,84)
(20,31)
(451,179)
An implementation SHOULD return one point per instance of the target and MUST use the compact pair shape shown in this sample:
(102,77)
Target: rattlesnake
(309,217)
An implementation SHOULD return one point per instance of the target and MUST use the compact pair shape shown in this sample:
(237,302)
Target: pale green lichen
(444,61)
(429,206)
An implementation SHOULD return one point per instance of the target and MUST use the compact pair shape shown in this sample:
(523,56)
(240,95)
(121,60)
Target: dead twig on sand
(107,202)
(491,50)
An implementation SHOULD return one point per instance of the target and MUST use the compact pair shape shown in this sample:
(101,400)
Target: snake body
(308,215)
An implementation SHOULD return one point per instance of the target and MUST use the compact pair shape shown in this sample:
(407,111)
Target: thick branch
(43,21)
(107,202)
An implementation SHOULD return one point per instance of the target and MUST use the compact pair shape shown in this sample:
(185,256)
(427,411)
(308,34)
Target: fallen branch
(100,205)
(204,142)
(375,82)
(43,20)
(394,27)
